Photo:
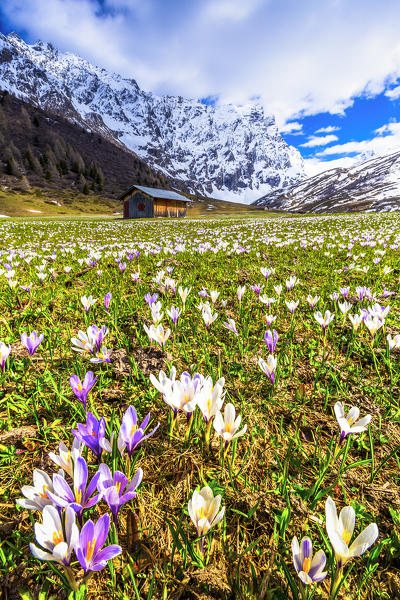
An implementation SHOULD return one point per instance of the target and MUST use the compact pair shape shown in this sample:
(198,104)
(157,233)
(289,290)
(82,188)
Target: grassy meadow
(274,478)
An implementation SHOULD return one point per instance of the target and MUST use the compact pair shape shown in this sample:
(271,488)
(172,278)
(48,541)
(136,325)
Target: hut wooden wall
(169,208)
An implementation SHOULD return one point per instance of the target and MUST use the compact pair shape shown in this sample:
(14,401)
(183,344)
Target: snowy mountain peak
(225,151)
(372,186)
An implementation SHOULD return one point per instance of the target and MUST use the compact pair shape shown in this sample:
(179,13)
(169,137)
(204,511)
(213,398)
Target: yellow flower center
(58,537)
(209,405)
(350,420)
(79,387)
(118,486)
(200,514)
(44,494)
(306,564)
(133,430)
(90,549)
(346,536)
(228,427)
(78,495)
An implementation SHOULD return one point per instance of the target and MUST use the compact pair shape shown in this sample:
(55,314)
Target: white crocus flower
(208,316)
(214,296)
(156,313)
(36,497)
(268,367)
(50,535)
(313,300)
(184,293)
(87,302)
(210,397)
(373,324)
(163,383)
(182,395)
(66,458)
(291,282)
(158,334)
(267,272)
(203,510)
(278,290)
(82,343)
(356,320)
(340,531)
(240,292)
(264,299)
(349,424)
(393,342)
(292,305)
(324,320)
(227,426)
(344,307)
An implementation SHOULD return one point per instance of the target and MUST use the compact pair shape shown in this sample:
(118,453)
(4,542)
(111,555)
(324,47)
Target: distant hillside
(372,186)
(40,150)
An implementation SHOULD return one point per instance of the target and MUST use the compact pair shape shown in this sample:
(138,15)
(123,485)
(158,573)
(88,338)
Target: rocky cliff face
(229,152)
(371,186)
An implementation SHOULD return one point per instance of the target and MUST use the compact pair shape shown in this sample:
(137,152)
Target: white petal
(339,411)
(347,519)
(364,540)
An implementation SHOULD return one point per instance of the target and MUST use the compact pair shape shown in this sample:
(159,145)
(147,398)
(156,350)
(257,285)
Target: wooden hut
(144,202)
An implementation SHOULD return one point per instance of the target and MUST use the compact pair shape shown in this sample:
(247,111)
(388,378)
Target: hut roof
(156,193)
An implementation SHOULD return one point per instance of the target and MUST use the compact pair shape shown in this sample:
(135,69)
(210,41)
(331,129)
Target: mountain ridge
(229,152)
(371,186)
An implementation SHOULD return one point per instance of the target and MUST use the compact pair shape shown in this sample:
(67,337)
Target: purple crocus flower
(32,341)
(107,300)
(174,314)
(131,434)
(102,356)
(97,335)
(80,389)
(257,288)
(93,434)
(344,291)
(151,299)
(271,339)
(80,497)
(116,490)
(91,539)
(308,567)
(122,266)
(361,292)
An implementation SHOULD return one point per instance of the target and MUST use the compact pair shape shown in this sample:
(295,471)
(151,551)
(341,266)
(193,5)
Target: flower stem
(336,584)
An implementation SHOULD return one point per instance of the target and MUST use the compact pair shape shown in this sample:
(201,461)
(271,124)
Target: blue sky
(329,71)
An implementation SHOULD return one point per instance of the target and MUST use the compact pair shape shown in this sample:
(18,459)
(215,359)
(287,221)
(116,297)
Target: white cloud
(386,141)
(299,58)
(315,140)
(313,166)
(231,10)
(292,127)
(328,129)
(394,93)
